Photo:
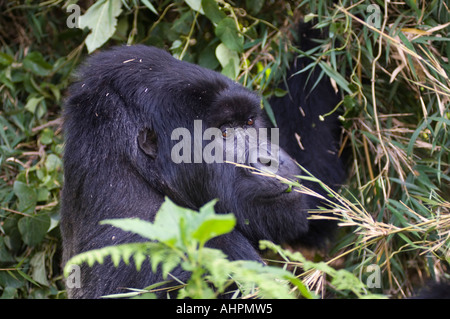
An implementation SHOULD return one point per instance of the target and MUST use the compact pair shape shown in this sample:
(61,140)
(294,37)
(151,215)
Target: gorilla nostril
(265,161)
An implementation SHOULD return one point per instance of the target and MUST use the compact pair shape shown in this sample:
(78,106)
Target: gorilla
(122,158)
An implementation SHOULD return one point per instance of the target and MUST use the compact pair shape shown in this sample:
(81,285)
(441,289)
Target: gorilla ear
(147,141)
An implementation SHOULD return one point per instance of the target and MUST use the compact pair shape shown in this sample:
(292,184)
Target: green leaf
(229,60)
(213,226)
(254,6)
(8,293)
(279,92)
(415,135)
(27,197)
(25,275)
(6,80)
(39,273)
(216,263)
(169,259)
(34,62)
(208,59)
(269,111)
(164,229)
(43,194)
(46,136)
(5,255)
(33,229)
(101,18)
(272,282)
(137,226)
(309,17)
(228,33)
(340,80)
(345,280)
(6,59)
(167,223)
(55,90)
(150,6)
(117,253)
(53,163)
(212,11)
(174,224)
(32,104)
(195,5)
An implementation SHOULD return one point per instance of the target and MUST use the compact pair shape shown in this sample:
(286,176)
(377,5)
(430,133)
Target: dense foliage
(389,60)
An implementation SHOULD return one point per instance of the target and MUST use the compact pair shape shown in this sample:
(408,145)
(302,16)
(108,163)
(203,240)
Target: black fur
(313,143)
(435,290)
(118,123)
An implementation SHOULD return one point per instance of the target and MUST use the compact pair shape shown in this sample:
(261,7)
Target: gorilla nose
(266,163)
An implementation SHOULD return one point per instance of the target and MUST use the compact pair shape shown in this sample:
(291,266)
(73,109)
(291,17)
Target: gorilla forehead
(141,66)
(233,104)
(150,74)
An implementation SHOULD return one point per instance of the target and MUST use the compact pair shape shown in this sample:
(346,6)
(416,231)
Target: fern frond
(118,253)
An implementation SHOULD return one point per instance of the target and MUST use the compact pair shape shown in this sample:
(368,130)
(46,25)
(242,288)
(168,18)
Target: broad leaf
(33,229)
(34,62)
(212,11)
(101,18)
(195,5)
(229,60)
(228,33)
(27,197)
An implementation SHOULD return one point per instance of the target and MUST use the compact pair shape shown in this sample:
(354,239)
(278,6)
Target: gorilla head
(141,125)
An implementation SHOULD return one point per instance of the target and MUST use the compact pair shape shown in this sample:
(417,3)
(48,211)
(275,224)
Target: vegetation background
(388,59)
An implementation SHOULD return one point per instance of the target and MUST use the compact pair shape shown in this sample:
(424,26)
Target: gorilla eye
(250,121)
(225,132)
